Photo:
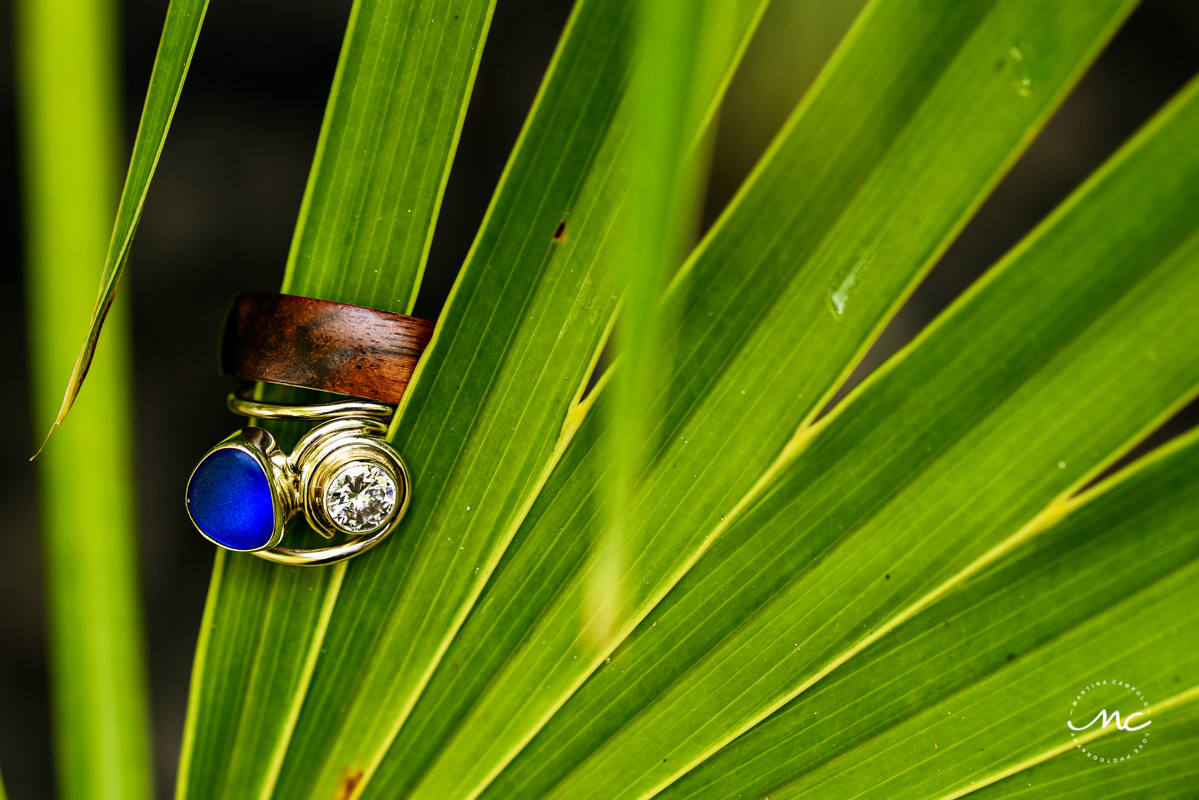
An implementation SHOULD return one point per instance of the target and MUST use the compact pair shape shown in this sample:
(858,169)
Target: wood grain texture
(319,344)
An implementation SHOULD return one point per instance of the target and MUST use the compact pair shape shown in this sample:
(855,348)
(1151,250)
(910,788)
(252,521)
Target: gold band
(257,409)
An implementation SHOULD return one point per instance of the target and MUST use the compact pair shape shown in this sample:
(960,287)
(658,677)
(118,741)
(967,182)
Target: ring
(342,475)
(319,344)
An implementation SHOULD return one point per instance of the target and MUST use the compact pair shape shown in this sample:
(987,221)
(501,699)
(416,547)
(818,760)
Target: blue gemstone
(230,500)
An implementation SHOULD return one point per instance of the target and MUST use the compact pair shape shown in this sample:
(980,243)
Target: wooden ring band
(319,344)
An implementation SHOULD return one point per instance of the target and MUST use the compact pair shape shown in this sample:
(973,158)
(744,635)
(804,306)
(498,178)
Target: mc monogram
(1115,717)
(1092,703)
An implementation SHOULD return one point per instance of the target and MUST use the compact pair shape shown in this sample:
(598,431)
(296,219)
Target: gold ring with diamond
(342,476)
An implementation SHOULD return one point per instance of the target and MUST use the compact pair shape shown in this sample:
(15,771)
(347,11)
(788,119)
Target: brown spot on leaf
(560,232)
(347,783)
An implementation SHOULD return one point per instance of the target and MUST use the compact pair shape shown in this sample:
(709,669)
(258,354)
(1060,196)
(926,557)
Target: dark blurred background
(219,218)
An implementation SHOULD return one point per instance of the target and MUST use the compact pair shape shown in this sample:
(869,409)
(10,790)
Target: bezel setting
(262,448)
(360,490)
(331,447)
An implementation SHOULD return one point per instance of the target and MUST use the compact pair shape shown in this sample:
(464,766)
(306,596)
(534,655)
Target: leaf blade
(69,117)
(748,316)
(1061,422)
(1092,559)
(388,82)
(179,35)
(243,710)
(519,342)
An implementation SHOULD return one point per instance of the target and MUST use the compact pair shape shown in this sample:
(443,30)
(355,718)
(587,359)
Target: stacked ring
(342,476)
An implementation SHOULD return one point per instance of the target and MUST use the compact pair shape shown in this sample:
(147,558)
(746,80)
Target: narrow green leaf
(912,114)
(396,104)
(659,216)
(1165,771)
(1116,541)
(1169,771)
(1016,718)
(70,140)
(494,398)
(390,129)
(1058,361)
(179,34)
(258,638)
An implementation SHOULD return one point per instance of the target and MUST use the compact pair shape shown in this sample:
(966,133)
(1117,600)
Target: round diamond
(360,497)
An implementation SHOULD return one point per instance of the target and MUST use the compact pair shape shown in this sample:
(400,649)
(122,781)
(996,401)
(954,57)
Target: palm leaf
(1083,571)
(696,580)
(513,352)
(398,99)
(179,35)
(70,136)
(717,442)
(1033,390)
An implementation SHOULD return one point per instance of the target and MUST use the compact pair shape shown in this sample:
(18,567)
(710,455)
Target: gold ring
(342,476)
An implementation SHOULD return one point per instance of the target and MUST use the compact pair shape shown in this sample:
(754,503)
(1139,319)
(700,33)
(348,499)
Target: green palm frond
(70,141)
(179,34)
(695,579)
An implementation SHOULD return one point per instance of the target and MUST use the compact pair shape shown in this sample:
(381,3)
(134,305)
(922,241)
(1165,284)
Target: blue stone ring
(342,476)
